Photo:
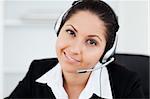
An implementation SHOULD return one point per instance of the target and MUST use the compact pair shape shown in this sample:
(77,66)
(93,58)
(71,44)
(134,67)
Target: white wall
(1,49)
(28,33)
(133,33)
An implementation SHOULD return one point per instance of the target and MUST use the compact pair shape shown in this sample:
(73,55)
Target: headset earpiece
(58,22)
(63,15)
(110,52)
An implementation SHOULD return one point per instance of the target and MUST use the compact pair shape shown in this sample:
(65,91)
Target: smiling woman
(86,42)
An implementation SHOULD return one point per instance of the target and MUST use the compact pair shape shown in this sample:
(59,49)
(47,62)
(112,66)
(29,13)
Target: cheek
(61,44)
(96,55)
(58,44)
(91,57)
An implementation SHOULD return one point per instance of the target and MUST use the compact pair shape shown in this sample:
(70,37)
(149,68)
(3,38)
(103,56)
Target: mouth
(71,59)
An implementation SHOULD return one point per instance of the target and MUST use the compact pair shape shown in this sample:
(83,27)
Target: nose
(76,48)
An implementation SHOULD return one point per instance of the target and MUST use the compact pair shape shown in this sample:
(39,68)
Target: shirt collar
(54,80)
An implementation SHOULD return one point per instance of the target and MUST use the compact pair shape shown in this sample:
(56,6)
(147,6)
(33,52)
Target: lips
(71,59)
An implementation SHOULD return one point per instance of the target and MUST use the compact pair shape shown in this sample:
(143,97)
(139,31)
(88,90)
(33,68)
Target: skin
(80,44)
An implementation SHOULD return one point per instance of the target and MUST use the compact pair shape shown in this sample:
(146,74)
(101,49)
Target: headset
(107,58)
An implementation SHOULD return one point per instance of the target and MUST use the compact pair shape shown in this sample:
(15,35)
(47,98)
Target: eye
(92,42)
(71,32)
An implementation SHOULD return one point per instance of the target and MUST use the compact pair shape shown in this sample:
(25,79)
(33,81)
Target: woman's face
(81,42)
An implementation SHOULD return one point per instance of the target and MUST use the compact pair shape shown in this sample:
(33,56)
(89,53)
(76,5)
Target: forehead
(87,22)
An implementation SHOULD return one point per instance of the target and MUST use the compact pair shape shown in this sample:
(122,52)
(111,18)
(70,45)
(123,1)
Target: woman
(86,44)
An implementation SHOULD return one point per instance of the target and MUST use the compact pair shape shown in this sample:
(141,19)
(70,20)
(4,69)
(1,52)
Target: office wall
(133,33)
(1,49)
(29,34)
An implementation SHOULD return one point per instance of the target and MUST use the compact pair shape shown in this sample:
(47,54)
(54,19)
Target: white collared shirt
(98,83)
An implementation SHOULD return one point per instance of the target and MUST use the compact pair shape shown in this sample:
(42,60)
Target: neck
(75,79)
(74,83)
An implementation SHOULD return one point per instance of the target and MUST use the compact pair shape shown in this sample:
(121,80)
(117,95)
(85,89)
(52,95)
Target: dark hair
(102,10)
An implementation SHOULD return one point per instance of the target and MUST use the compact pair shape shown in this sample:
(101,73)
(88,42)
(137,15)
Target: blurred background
(27,33)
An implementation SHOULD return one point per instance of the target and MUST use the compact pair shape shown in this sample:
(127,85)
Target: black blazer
(124,83)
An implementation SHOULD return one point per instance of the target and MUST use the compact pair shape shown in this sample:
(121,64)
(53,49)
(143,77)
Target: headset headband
(108,54)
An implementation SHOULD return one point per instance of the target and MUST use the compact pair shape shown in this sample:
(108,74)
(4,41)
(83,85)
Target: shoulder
(119,70)
(41,66)
(47,62)
(120,75)
(124,83)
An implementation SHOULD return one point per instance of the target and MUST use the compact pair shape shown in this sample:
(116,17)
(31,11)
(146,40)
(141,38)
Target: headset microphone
(93,69)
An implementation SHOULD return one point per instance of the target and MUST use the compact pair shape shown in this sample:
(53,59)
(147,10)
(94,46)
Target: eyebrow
(88,35)
(72,27)
(95,36)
